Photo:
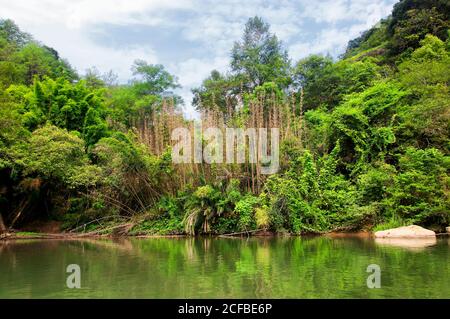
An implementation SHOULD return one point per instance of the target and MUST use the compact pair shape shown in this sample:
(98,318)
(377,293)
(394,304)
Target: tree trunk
(2,225)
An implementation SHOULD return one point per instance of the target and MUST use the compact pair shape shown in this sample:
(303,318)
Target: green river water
(292,267)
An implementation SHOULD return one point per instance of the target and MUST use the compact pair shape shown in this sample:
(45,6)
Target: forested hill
(365,140)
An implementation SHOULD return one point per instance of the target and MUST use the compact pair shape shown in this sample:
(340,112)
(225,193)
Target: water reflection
(317,267)
(414,244)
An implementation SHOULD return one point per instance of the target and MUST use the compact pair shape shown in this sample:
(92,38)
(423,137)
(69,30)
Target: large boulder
(412,231)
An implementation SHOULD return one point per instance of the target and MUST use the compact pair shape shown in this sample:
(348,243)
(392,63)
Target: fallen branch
(96,220)
(96,232)
(240,233)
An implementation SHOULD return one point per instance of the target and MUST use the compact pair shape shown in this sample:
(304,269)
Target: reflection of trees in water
(222,267)
(190,250)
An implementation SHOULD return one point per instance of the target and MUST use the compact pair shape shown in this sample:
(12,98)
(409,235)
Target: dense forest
(364,139)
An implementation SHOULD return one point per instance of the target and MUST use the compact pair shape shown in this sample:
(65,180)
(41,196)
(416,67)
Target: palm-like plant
(206,204)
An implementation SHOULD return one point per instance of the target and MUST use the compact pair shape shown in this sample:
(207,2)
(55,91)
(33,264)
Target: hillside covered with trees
(365,139)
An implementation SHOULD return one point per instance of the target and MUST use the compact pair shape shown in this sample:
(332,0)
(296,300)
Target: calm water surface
(318,267)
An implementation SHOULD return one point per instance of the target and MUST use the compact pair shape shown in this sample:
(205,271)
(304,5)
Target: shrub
(245,210)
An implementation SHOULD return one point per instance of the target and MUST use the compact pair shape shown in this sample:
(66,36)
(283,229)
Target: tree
(22,58)
(58,155)
(260,56)
(414,24)
(41,61)
(93,78)
(217,90)
(152,78)
(52,168)
(257,59)
(60,102)
(326,83)
(402,8)
(12,33)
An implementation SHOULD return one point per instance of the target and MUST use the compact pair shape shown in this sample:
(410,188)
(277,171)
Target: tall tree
(218,90)
(152,78)
(260,56)
(12,33)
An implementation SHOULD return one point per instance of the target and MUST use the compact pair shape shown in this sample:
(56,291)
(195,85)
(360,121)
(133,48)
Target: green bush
(245,210)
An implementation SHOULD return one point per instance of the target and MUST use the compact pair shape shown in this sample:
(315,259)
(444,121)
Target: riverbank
(35,235)
(127,230)
(70,236)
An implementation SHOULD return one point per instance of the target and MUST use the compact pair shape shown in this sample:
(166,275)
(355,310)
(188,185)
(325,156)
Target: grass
(158,227)
(27,234)
(394,222)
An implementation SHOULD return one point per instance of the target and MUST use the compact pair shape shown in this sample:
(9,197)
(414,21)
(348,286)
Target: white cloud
(331,41)
(121,12)
(77,14)
(209,26)
(360,16)
(333,11)
(194,71)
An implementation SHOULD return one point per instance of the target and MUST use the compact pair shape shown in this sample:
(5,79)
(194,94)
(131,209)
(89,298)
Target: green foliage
(55,154)
(12,34)
(374,182)
(171,226)
(129,104)
(22,59)
(245,210)
(391,223)
(427,66)
(326,83)
(310,197)
(152,79)
(217,90)
(201,209)
(425,122)
(207,204)
(402,8)
(364,123)
(370,42)
(74,107)
(94,127)
(13,135)
(260,58)
(419,193)
(118,155)
(268,91)
(262,218)
(415,24)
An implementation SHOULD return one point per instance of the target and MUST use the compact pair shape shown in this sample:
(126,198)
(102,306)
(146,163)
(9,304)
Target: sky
(189,37)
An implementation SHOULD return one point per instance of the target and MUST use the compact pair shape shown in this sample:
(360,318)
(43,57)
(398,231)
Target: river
(290,267)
